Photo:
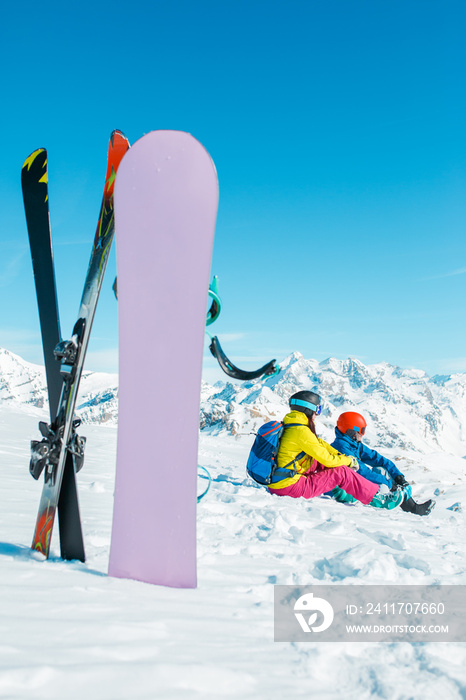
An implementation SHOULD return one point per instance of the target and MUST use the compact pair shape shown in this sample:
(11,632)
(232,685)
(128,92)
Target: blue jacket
(364,455)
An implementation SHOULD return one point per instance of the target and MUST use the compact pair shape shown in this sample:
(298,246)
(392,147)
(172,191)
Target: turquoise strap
(204,476)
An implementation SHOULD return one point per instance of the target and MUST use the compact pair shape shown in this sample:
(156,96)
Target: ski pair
(60,452)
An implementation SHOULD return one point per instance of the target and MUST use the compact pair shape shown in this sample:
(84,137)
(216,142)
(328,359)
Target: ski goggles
(359,430)
(307,404)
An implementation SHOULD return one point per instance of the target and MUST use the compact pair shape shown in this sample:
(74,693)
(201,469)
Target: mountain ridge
(407,409)
(404,408)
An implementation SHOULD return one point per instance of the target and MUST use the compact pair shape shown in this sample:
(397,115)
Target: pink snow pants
(325,479)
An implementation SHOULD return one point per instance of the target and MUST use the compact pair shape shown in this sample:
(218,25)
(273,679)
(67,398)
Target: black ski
(36,205)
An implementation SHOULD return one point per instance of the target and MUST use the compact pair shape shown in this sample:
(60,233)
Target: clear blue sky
(337,129)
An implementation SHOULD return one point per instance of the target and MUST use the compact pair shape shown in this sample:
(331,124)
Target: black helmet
(308,402)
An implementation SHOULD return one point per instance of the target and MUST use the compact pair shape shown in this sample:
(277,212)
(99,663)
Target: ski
(36,206)
(60,438)
(34,182)
(166,197)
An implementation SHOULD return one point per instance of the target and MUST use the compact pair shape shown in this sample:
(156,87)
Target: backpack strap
(275,468)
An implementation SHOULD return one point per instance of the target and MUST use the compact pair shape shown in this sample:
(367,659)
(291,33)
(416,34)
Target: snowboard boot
(341,496)
(409,505)
(392,499)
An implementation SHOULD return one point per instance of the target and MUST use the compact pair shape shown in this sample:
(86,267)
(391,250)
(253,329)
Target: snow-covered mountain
(23,384)
(404,408)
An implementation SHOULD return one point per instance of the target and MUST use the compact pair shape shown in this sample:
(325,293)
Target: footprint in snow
(397,542)
(410,562)
(333,528)
(263,533)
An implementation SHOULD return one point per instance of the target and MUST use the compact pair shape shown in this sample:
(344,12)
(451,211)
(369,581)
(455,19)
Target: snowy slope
(67,630)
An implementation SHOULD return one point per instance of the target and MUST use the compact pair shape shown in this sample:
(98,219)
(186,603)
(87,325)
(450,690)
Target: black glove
(400,480)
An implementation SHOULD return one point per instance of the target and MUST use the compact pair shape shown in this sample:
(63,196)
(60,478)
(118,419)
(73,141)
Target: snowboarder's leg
(317,483)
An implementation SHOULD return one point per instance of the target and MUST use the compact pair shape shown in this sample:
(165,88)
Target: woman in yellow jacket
(315,466)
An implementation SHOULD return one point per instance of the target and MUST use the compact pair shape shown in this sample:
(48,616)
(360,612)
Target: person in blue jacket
(373,466)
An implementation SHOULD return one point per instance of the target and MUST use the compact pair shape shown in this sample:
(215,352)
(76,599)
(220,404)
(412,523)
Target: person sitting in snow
(316,467)
(350,430)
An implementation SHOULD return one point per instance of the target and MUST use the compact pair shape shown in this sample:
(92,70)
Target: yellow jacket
(298,439)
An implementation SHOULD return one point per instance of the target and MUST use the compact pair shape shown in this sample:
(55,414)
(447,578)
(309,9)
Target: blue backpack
(262,463)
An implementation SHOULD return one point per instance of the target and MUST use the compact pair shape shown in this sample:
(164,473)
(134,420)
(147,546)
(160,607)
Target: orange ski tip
(117,133)
(118,142)
(117,148)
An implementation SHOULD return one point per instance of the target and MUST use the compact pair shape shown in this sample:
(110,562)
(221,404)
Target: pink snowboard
(166,197)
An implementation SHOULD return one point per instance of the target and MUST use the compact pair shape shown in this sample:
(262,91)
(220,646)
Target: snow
(68,630)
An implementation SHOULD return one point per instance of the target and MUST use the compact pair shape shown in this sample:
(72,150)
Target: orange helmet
(351,421)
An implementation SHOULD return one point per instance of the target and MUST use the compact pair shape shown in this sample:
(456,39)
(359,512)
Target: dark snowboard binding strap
(234,372)
(46,452)
(227,366)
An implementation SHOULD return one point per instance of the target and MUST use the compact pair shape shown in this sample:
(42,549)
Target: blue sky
(337,129)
